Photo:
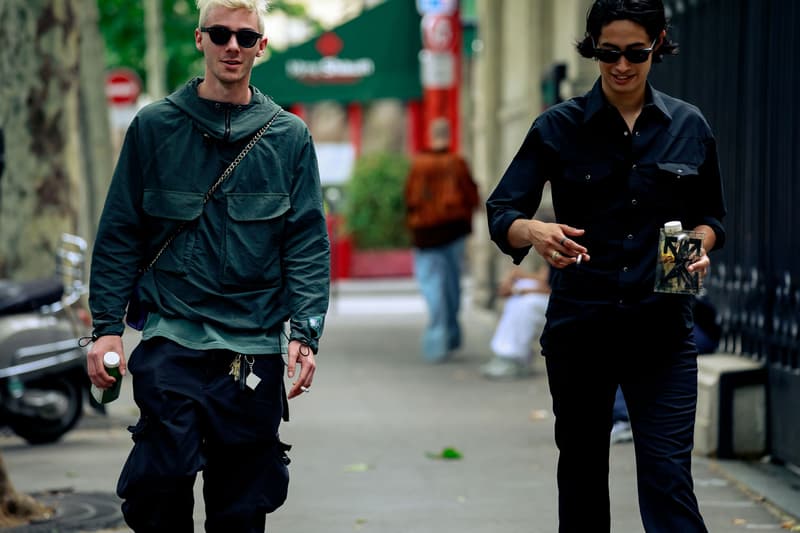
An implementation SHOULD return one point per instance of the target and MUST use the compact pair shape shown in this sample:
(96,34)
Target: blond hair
(258,6)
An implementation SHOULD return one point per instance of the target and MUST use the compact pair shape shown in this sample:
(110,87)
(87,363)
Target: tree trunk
(57,152)
(54,137)
(16,508)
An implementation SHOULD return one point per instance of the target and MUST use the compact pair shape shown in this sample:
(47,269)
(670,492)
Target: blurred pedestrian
(440,197)
(621,160)
(520,324)
(221,257)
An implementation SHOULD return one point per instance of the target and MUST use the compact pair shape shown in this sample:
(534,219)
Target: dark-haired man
(622,160)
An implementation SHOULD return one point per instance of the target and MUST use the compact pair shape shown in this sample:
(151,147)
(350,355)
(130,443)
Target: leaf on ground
(446,453)
(739,521)
(358,467)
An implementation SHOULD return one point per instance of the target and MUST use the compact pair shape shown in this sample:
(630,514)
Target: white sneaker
(621,432)
(505,368)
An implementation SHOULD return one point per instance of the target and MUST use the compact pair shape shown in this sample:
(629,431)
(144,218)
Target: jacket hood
(220,120)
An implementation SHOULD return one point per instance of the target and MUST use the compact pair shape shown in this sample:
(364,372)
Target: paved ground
(363,440)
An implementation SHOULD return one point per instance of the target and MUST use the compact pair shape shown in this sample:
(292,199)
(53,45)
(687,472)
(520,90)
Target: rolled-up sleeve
(710,208)
(519,192)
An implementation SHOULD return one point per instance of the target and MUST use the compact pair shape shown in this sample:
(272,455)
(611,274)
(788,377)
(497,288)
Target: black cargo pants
(194,417)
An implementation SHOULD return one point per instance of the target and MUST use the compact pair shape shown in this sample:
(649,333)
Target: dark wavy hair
(647,13)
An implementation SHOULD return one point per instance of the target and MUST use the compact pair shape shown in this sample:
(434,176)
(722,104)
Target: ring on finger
(562,241)
(555,255)
(305,389)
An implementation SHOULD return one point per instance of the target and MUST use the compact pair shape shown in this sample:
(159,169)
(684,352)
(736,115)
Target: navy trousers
(659,380)
(195,418)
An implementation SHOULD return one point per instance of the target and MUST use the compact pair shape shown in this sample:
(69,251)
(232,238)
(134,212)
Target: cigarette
(578,260)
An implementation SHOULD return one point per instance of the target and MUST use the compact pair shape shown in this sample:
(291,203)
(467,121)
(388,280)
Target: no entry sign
(123,87)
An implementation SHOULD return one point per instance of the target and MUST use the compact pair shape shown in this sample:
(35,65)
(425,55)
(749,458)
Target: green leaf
(448,453)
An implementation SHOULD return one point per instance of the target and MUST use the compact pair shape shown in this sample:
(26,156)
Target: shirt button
(625,133)
(621,301)
(633,166)
(634,202)
(588,177)
(638,133)
(630,236)
(624,269)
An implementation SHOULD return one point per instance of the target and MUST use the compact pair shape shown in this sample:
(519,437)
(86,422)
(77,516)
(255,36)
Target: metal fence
(738,64)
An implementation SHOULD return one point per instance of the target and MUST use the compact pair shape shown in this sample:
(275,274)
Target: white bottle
(111,361)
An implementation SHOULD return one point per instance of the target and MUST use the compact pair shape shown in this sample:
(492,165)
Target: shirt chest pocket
(253,230)
(167,211)
(674,182)
(585,187)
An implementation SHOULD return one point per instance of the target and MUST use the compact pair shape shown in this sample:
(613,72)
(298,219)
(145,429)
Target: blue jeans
(438,272)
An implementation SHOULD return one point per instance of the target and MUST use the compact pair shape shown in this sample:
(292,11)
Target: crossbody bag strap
(227,172)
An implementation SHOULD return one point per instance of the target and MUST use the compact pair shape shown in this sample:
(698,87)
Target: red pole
(442,65)
(455,91)
(355,116)
(299,110)
(415,126)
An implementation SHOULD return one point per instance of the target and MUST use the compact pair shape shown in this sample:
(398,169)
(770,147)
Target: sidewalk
(363,440)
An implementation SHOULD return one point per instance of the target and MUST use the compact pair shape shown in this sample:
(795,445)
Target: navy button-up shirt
(619,185)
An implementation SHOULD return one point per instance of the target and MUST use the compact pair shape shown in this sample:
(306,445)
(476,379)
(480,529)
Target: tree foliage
(374,208)
(122,26)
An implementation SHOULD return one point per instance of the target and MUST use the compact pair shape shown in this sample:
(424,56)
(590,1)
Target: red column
(442,38)
(355,118)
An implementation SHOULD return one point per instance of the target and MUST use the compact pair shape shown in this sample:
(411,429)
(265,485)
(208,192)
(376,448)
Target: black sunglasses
(220,35)
(633,55)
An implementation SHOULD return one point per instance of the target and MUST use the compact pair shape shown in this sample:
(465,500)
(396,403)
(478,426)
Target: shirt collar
(596,101)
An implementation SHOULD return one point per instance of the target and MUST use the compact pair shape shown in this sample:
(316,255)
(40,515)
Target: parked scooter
(43,377)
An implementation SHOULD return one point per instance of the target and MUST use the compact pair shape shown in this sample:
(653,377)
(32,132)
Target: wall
(517,41)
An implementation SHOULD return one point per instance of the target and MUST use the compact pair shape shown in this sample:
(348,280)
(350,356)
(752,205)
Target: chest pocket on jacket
(253,239)
(169,209)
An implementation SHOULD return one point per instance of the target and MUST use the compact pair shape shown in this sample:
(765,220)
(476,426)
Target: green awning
(375,55)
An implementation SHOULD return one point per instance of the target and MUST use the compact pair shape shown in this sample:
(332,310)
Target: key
(235,367)
(252,380)
(242,374)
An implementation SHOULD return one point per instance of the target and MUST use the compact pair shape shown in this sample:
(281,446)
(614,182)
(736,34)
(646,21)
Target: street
(368,440)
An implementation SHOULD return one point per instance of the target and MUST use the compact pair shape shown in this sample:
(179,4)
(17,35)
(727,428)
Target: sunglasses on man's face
(633,55)
(220,35)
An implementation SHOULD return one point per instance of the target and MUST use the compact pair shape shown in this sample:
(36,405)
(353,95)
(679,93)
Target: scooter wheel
(40,430)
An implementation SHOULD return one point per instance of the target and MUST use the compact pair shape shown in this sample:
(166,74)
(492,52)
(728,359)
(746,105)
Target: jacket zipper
(227,123)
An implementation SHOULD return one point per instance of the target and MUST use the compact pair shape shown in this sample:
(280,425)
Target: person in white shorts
(520,325)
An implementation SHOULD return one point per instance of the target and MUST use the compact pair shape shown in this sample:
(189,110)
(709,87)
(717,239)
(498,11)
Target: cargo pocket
(253,231)
(133,472)
(278,479)
(168,209)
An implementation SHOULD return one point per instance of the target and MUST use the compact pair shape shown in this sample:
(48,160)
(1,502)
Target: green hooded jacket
(254,257)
